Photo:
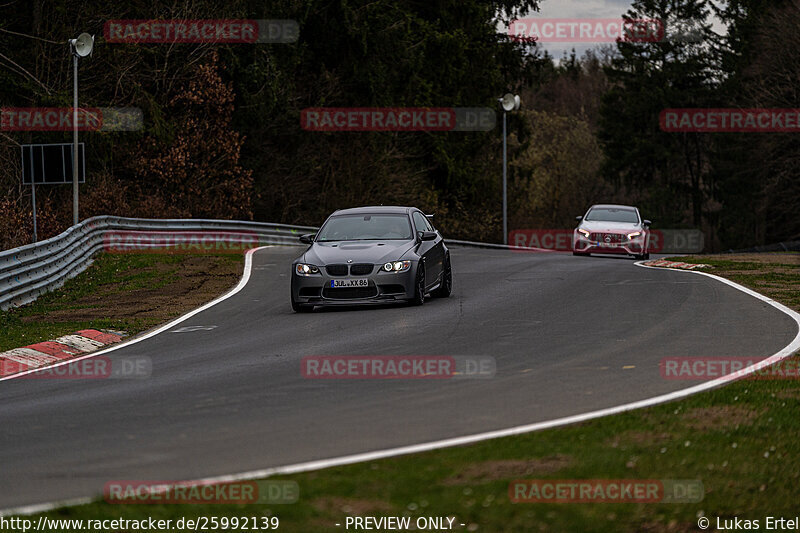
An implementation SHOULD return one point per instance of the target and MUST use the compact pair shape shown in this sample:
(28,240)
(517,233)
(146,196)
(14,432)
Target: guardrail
(34,269)
(473,244)
(29,271)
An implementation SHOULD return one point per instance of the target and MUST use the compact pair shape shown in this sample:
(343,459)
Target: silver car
(371,255)
(612,229)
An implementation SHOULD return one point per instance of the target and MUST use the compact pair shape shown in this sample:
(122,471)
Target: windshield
(365,227)
(612,214)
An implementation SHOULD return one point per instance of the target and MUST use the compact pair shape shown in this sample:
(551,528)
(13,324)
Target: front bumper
(383,287)
(630,247)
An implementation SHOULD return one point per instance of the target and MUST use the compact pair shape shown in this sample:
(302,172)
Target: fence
(29,271)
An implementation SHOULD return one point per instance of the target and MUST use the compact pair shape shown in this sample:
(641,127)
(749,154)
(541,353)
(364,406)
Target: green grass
(110,275)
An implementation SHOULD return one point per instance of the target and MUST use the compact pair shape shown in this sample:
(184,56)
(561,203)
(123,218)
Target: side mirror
(427,235)
(579,218)
(307,238)
(646,222)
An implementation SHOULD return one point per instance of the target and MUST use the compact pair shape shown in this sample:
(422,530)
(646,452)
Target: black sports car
(371,255)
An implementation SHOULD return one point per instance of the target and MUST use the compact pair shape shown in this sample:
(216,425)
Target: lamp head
(83,45)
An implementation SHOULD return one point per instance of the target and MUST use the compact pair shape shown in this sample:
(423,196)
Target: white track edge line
(477,437)
(248,267)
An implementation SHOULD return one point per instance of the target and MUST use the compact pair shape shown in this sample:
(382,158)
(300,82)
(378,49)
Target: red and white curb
(45,353)
(674,264)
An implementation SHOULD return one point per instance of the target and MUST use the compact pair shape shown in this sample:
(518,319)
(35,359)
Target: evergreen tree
(665,172)
(759,189)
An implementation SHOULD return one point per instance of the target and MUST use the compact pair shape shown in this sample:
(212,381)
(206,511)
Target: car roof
(614,206)
(374,209)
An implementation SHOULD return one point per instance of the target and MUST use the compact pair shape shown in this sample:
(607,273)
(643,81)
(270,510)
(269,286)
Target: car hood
(601,226)
(375,252)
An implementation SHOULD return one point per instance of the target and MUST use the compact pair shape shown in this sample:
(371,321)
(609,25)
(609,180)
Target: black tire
(419,287)
(300,308)
(582,254)
(446,287)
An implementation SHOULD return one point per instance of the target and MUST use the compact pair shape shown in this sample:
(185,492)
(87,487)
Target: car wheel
(419,287)
(646,256)
(580,253)
(300,308)
(446,287)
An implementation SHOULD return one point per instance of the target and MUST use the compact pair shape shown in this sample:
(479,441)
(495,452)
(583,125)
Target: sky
(579,9)
(605,9)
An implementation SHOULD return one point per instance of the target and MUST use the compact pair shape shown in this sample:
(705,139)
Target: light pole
(509,102)
(81,47)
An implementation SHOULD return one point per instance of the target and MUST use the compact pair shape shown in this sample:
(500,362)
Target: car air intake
(310,292)
(336,270)
(392,289)
(361,269)
(350,293)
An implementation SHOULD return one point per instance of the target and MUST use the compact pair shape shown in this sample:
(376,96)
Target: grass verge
(740,441)
(776,275)
(127,292)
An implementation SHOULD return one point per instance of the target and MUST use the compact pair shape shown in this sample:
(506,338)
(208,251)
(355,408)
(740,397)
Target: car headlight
(634,234)
(584,232)
(396,266)
(302,269)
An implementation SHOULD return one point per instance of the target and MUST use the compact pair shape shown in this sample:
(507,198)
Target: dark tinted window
(421,222)
(609,214)
(365,227)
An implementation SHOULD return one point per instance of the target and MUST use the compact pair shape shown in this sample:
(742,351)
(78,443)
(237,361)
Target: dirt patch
(793,394)
(350,506)
(639,438)
(760,271)
(197,280)
(789,258)
(509,469)
(720,417)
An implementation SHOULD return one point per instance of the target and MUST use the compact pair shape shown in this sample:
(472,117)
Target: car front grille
(601,237)
(361,269)
(350,293)
(336,270)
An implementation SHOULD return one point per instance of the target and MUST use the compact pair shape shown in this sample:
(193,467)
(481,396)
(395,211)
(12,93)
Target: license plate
(348,283)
